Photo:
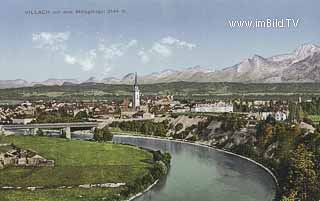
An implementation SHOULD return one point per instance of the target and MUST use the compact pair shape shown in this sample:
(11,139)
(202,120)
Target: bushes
(167,159)
(160,169)
(102,135)
(161,165)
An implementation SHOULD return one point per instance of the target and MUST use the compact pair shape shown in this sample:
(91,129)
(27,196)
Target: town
(138,107)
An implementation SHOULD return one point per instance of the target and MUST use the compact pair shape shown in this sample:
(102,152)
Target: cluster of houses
(278,115)
(26,112)
(24,158)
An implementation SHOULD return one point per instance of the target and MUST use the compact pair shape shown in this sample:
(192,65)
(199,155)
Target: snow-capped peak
(258,59)
(306,50)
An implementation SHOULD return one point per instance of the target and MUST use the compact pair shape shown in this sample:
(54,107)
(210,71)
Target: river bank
(200,172)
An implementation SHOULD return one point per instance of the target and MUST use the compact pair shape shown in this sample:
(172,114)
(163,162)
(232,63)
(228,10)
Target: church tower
(136,93)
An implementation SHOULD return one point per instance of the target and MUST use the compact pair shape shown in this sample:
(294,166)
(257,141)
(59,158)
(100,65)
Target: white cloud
(53,41)
(113,51)
(69,59)
(56,42)
(165,47)
(144,57)
(117,49)
(169,40)
(131,44)
(87,61)
(161,49)
(106,70)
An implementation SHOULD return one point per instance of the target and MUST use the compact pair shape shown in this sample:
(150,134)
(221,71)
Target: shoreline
(210,147)
(142,192)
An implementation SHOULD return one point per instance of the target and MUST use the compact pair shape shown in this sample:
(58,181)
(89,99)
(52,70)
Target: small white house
(148,115)
(22,121)
(280,116)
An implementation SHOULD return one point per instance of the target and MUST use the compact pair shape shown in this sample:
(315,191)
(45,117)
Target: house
(280,116)
(10,160)
(148,115)
(216,107)
(36,160)
(22,121)
(1,156)
(22,161)
(25,158)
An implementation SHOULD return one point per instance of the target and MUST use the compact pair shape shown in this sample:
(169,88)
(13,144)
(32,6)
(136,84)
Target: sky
(144,36)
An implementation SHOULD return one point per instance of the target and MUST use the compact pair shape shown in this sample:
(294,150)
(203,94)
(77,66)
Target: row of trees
(61,117)
(295,159)
(311,108)
(300,111)
(146,127)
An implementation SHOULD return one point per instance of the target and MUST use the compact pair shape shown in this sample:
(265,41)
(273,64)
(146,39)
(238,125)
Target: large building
(136,94)
(216,107)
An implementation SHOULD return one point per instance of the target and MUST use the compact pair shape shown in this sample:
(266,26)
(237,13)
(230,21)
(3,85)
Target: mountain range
(301,65)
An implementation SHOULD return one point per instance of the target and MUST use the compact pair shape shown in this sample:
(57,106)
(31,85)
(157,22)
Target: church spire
(136,93)
(135,79)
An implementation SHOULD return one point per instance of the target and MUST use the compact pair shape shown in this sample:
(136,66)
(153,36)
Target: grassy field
(76,162)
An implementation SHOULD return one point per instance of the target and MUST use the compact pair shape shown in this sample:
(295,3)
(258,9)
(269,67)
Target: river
(202,174)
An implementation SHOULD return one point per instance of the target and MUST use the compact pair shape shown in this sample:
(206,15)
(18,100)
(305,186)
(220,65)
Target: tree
(102,135)
(40,132)
(302,176)
(291,197)
(82,115)
(178,127)
(159,169)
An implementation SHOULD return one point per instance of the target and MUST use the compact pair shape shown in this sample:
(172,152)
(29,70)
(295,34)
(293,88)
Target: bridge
(64,127)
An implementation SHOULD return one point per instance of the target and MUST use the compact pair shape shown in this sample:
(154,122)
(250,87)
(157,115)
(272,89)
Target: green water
(203,174)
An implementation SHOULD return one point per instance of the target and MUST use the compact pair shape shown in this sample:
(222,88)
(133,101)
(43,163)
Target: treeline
(191,90)
(160,167)
(61,117)
(294,156)
(146,127)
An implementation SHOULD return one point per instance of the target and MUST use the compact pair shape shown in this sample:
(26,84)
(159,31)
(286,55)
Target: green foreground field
(76,163)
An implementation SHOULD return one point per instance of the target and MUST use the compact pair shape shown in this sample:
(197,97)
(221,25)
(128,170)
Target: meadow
(76,163)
